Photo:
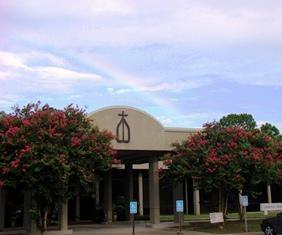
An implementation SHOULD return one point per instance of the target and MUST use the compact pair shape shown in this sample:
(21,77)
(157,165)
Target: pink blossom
(75,141)
(15,163)
(12,131)
(25,122)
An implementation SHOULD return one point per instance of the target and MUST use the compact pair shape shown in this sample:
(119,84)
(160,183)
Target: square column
(269,196)
(27,207)
(196,198)
(77,203)
(129,176)
(128,186)
(108,200)
(63,217)
(140,192)
(177,195)
(2,208)
(97,193)
(154,191)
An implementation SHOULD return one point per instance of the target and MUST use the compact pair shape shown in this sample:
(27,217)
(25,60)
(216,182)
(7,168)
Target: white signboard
(179,206)
(216,217)
(271,206)
(244,200)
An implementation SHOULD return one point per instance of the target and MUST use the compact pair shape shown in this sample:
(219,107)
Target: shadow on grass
(229,227)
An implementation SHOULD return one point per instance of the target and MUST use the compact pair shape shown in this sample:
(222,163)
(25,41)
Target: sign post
(179,210)
(245,202)
(133,211)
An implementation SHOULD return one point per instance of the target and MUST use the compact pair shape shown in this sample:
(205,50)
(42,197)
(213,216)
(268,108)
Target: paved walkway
(140,229)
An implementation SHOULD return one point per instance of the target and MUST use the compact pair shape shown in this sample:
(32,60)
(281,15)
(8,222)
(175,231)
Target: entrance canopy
(139,136)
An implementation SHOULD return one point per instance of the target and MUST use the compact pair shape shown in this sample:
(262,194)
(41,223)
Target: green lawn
(250,215)
(229,227)
(234,226)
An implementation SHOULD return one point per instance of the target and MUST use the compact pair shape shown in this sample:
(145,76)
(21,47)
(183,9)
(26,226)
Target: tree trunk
(240,206)
(226,204)
(45,220)
(219,200)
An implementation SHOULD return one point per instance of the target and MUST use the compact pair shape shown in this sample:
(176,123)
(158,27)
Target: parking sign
(244,200)
(179,206)
(133,207)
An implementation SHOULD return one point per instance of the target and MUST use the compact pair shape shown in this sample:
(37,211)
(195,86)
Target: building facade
(140,141)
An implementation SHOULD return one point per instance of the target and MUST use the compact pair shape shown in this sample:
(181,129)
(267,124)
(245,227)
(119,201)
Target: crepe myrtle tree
(243,120)
(48,151)
(225,159)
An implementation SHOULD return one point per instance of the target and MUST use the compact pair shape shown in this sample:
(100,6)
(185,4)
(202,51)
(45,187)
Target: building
(141,141)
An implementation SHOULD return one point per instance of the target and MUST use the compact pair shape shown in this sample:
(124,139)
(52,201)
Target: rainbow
(134,83)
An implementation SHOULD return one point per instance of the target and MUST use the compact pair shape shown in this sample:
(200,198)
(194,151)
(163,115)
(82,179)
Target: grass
(250,215)
(229,227)
(232,224)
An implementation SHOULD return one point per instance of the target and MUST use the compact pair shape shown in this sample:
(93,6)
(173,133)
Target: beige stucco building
(141,141)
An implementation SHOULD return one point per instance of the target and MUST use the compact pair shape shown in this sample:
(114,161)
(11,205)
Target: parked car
(273,225)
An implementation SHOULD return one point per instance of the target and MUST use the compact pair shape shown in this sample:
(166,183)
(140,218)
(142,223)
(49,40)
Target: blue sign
(179,206)
(133,207)
(244,200)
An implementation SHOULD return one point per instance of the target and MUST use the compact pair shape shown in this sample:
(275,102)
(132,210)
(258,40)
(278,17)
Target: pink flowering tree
(226,159)
(47,151)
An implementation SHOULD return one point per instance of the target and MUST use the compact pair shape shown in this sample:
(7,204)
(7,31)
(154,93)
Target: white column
(140,192)
(108,204)
(196,198)
(269,196)
(154,191)
(63,216)
(2,208)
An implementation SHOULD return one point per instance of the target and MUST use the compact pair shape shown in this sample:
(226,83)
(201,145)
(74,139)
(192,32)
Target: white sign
(216,217)
(271,206)
(244,201)
(179,206)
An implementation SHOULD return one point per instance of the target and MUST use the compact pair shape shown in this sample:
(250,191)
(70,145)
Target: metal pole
(179,217)
(179,229)
(133,224)
(246,224)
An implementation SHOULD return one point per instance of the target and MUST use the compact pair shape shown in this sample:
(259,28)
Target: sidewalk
(140,229)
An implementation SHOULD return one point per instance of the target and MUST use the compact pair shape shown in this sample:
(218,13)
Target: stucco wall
(146,133)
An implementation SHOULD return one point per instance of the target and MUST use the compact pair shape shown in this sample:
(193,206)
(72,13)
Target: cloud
(173,86)
(38,57)
(8,100)
(66,74)
(196,22)
(11,60)
(15,68)
(166,121)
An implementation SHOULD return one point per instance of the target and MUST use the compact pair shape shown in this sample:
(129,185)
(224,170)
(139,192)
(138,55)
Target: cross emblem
(123,130)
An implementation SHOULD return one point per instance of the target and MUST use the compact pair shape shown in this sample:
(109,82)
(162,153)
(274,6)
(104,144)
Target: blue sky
(184,62)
